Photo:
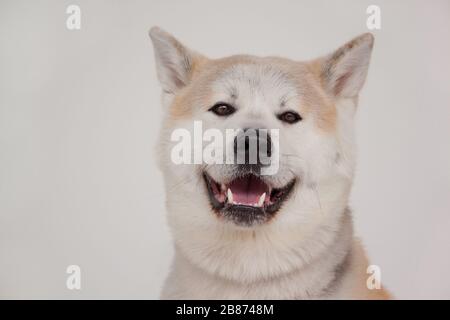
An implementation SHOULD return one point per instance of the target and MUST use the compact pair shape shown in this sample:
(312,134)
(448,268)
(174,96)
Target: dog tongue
(247,190)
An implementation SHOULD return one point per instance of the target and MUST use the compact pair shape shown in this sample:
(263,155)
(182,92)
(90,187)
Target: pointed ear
(344,71)
(174,62)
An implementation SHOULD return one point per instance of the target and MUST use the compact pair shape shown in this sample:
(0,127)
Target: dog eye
(289,117)
(222,109)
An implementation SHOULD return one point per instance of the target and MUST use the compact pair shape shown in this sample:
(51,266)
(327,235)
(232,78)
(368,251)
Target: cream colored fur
(308,250)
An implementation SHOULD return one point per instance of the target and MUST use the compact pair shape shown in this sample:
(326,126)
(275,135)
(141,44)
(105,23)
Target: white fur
(296,254)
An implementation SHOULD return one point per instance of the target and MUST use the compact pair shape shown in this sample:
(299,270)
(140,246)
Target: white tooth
(261,200)
(230,196)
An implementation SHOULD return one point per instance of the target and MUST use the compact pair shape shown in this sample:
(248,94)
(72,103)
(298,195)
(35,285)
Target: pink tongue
(247,190)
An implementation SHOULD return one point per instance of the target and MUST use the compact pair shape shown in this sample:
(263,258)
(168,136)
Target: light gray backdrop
(79,114)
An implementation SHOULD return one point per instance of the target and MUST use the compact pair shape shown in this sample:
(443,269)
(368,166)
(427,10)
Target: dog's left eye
(222,109)
(289,117)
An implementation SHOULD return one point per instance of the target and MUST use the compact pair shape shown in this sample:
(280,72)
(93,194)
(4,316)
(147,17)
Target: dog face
(302,112)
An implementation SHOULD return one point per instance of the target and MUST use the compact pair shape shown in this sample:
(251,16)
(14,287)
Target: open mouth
(246,200)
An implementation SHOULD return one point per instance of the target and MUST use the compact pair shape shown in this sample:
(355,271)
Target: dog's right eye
(222,109)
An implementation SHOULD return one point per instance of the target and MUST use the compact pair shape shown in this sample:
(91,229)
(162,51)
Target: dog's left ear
(344,72)
(175,63)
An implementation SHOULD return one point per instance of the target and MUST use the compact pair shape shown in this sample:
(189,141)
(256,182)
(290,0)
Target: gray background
(79,114)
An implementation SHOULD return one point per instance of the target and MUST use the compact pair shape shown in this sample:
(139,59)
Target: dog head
(299,113)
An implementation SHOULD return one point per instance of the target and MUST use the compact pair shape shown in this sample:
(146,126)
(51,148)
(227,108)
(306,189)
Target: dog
(242,235)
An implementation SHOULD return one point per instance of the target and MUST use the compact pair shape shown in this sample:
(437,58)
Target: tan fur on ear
(343,72)
(175,63)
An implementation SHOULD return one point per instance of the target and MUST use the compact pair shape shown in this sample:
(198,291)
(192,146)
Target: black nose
(253,146)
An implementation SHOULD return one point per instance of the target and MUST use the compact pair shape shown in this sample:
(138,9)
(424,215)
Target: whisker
(318,199)
(181,182)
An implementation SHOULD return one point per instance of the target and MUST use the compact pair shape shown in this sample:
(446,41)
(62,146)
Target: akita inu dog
(242,235)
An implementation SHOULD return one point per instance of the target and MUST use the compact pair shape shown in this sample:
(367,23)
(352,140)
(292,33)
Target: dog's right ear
(174,62)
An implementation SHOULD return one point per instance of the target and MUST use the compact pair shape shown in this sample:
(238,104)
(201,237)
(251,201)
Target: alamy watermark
(374,280)
(73,281)
(73,21)
(373,21)
(234,146)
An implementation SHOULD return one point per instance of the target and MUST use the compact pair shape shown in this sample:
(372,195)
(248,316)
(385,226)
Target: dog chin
(246,199)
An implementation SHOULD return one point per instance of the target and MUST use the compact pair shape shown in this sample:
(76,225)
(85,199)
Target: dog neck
(319,278)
